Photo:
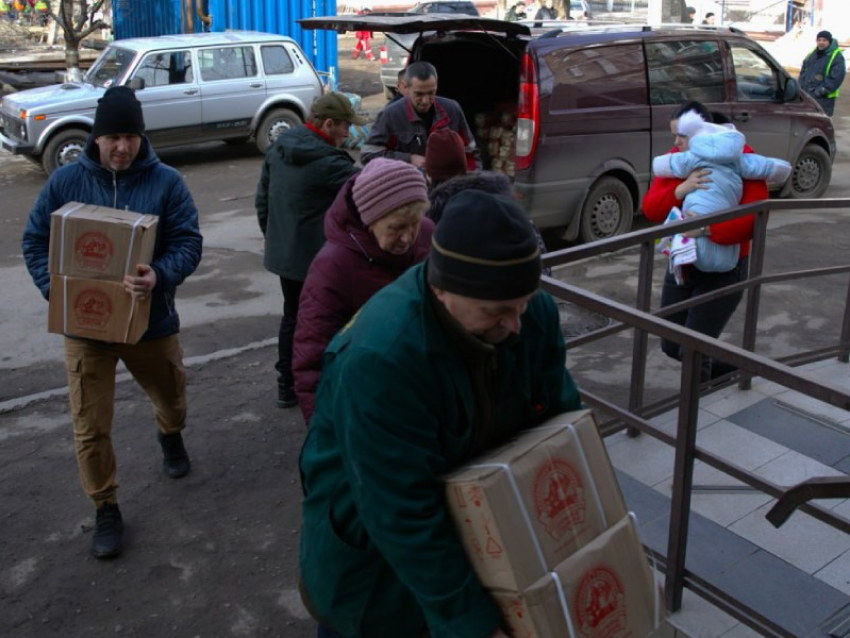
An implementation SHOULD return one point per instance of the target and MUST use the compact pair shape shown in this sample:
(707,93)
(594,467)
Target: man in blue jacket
(120,169)
(454,357)
(823,72)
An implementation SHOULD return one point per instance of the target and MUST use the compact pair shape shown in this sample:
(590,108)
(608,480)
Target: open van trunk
(477,61)
(482,74)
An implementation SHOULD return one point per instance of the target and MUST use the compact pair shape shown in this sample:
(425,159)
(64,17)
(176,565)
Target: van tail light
(528,114)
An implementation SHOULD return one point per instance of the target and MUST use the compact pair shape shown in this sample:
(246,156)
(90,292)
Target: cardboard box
(522,509)
(99,242)
(95,309)
(606,589)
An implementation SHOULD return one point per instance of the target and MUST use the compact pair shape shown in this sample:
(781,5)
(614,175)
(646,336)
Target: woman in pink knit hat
(375,230)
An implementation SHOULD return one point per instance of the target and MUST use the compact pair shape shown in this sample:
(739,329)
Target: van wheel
(273,124)
(63,148)
(389,93)
(811,174)
(607,210)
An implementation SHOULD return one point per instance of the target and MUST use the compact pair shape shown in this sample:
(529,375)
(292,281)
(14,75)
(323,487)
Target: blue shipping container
(134,19)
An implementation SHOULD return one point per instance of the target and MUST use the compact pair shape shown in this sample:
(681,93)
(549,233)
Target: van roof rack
(555,28)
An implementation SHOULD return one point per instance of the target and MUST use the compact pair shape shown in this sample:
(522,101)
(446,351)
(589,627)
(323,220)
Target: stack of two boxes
(545,526)
(91,249)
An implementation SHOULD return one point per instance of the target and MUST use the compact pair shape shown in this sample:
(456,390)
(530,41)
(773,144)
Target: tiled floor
(758,430)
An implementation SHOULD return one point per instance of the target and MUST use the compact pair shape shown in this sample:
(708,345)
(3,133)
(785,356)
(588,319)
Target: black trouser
(291,290)
(709,318)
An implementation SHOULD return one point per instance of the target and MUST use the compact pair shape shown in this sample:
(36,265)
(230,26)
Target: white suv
(193,88)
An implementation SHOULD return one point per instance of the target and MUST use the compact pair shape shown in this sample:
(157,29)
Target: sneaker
(286,397)
(175,460)
(108,527)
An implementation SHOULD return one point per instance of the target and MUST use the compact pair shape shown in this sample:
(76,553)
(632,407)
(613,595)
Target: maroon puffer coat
(348,270)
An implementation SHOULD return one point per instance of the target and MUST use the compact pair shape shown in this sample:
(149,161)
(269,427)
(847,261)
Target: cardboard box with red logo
(605,589)
(98,242)
(527,506)
(91,249)
(96,309)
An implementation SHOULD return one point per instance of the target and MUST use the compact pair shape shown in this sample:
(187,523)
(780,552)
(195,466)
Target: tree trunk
(72,61)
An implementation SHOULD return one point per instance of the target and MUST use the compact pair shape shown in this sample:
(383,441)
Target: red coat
(661,197)
(348,270)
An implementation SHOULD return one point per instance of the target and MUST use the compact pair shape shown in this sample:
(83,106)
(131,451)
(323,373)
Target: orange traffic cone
(384,57)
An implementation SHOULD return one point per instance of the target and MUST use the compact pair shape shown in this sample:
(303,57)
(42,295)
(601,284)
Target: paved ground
(215,554)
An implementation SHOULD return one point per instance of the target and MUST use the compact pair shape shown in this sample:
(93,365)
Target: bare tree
(77,20)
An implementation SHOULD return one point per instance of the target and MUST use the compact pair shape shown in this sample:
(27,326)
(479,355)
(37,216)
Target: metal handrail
(644,321)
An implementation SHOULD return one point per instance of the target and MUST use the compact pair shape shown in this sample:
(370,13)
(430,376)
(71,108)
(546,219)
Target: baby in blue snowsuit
(719,147)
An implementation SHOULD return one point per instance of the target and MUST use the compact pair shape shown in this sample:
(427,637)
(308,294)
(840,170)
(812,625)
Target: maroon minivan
(575,114)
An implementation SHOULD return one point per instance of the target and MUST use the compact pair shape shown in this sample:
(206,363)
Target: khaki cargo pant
(156,365)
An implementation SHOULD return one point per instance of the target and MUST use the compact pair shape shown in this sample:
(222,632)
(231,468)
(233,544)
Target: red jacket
(348,270)
(661,197)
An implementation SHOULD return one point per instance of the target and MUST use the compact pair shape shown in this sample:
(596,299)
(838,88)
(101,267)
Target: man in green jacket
(304,170)
(454,357)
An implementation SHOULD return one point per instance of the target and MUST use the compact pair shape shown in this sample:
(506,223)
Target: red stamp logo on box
(94,251)
(92,309)
(599,605)
(560,502)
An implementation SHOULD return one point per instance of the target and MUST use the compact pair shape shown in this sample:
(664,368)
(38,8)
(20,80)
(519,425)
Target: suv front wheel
(273,124)
(607,211)
(64,148)
(811,175)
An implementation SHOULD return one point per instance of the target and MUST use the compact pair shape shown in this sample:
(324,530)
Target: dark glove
(821,91)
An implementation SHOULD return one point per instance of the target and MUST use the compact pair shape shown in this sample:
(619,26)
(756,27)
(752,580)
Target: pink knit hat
(385,185)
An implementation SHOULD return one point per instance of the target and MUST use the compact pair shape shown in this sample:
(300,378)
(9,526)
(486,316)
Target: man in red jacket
(711,317)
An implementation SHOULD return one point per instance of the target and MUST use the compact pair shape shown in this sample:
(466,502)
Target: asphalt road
(215,554)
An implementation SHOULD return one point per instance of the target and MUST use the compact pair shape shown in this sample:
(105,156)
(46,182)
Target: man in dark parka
(303,171)
(823,72)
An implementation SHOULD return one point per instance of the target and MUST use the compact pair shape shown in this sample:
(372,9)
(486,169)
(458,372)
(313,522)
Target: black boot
(175,460)
(108,527)
(721,368)
(286,396)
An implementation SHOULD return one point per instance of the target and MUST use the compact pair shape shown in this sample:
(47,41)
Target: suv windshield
(110,67)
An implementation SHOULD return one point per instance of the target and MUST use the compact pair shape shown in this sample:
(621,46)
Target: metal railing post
(683,476)
(756,267)
(844,352)
(641,338)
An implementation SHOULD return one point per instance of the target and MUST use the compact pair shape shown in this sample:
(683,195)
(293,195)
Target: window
(276,60)
(683,70)
(755,79)
(164,68)
(109,67)
(607,76)
(227,63)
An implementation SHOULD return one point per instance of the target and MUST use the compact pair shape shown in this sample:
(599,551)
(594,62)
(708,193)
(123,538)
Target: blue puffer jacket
(149,187)
(723,153)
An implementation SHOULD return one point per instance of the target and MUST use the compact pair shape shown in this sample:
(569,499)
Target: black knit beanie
(484,247)
(118,113)
(824,34)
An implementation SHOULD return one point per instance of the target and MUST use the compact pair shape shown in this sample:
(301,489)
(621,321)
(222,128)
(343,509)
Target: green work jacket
(395,411)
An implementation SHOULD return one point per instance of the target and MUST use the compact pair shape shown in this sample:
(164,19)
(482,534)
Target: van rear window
(597,77)
(683,70)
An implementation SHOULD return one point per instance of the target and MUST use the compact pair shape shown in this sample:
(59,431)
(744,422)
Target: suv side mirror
(792,90)
(137,83)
